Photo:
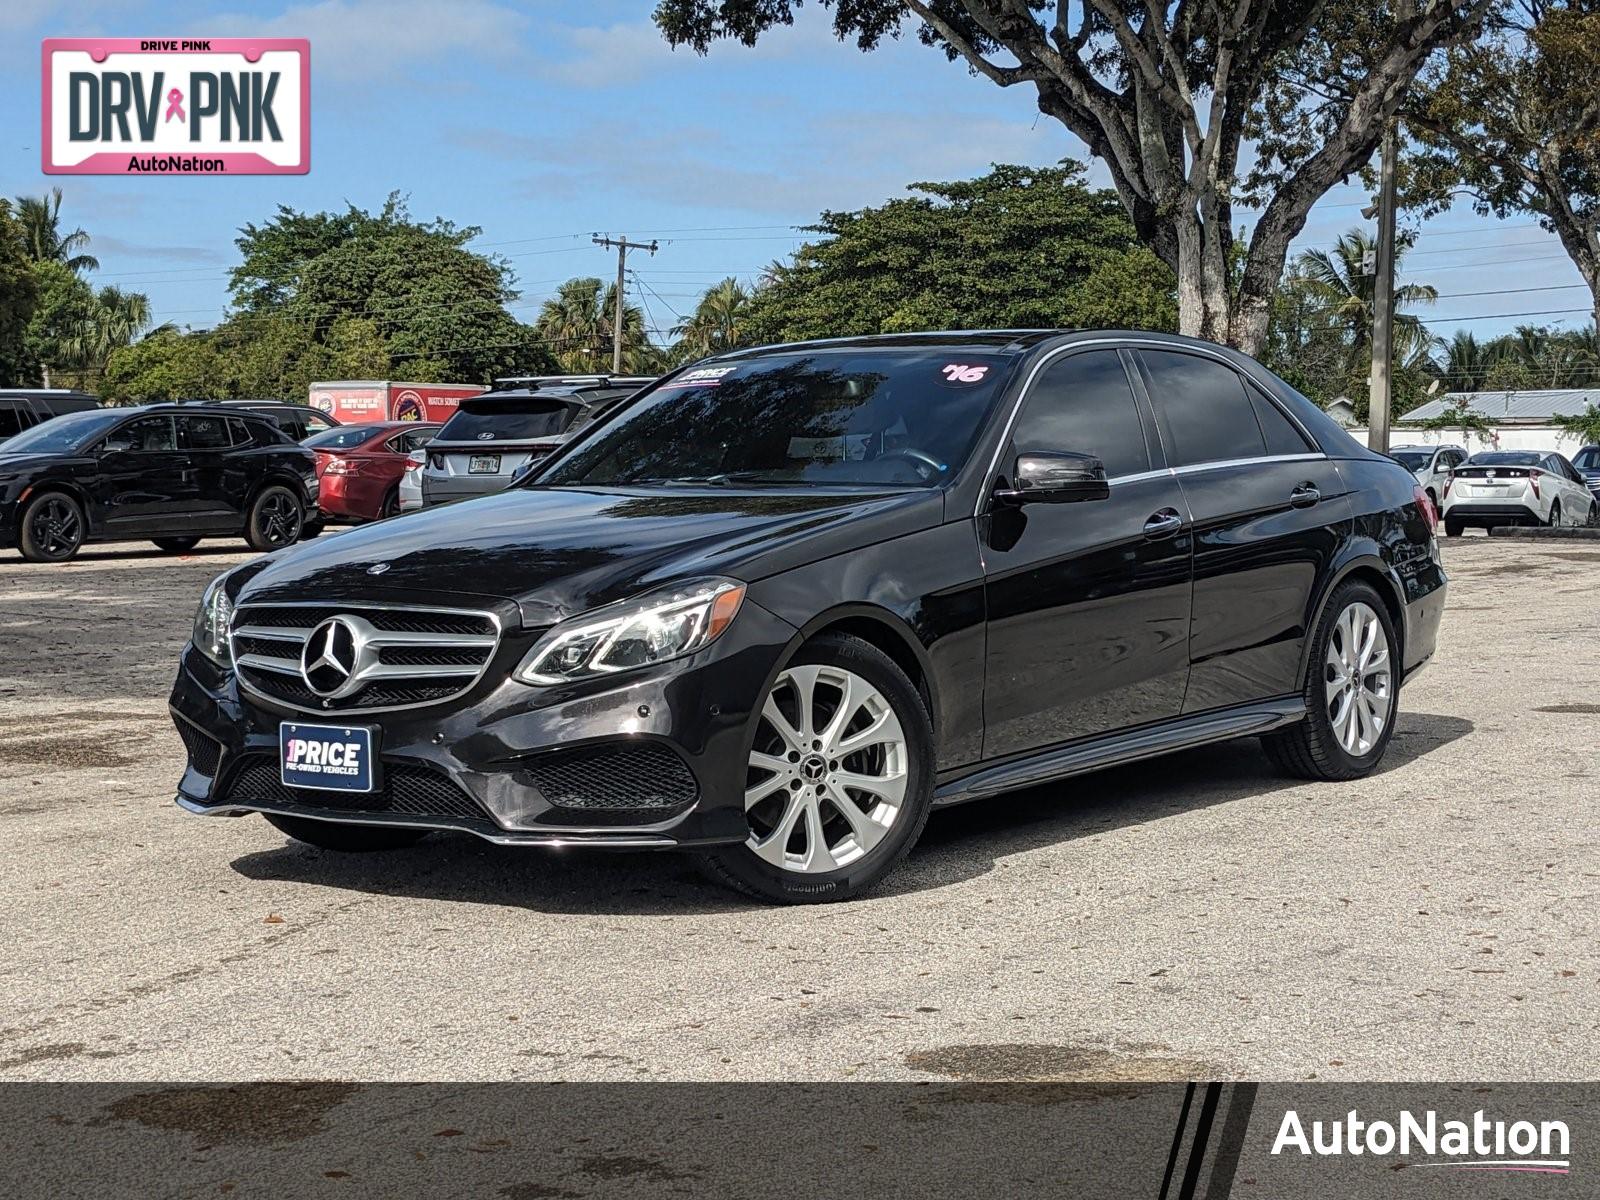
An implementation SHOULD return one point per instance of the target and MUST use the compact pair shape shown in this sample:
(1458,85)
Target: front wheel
(343,838)
(53,528)
(1555,514)
(1351,691)
(275,519)
(839,781)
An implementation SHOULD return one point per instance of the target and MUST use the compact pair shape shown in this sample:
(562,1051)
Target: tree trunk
(44,373)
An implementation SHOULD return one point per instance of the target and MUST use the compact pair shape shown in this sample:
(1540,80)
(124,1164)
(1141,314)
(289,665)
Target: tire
(52,528)
(391,504)
(800,785)
(1321,747)
(346,839)
(1555,514)
(276,519)
(176,545)
(311,529)
(1453,527)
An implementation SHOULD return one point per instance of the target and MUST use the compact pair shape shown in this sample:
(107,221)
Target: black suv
(23,408)
(299,421)
(493,439)
(173,473)
(790,599)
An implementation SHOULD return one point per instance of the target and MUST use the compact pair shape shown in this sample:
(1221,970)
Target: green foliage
(19,292)
(1458,414)
(1020,247)
(40,219)
(721,321)
(576,325)
(1585,426)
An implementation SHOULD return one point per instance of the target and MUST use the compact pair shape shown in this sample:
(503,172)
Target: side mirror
(522,473)
(1060,478)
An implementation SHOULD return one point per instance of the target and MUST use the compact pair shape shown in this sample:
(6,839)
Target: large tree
(40,218)
(1514,116)
(18,295)
(1167,95)
(575,327)
(1019,247)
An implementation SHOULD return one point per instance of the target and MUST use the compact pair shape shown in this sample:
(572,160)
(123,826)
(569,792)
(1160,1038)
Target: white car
(1515,487)
(1431,465)
(410,491)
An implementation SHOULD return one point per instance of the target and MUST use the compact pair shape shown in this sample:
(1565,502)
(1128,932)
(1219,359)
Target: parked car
(1431,465)
(1516,487)
(1587,460)
(360,467)
(299,421)
(23,408)
(173,473)
(410,487)
(495,437)
(791,599)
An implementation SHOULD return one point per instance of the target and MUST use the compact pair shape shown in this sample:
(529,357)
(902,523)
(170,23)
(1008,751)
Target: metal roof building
(1512,408)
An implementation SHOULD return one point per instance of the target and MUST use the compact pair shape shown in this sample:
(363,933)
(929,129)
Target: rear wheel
(391,503)
(1555,514)
(1453,527)
(275,519)
(53,528)
(176,545)
(840,778)
(1351,692)
(346,839)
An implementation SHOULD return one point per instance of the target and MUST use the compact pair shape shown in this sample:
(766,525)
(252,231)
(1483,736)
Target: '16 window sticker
(964,373)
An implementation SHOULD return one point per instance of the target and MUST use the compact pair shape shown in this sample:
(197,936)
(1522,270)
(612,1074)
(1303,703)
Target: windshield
(503,421)
(1411,460)
(1506,458)
(61,434)
(857,417)
(1588,459)
(341,437)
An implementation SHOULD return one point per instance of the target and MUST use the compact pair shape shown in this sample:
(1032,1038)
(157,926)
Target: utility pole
(623,245)
(1381,395)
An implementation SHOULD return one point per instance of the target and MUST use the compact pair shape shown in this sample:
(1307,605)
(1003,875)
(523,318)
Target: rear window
(506,421)
(342,437)
(1506,458)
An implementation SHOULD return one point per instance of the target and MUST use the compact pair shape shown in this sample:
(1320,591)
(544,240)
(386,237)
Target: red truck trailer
(361,401)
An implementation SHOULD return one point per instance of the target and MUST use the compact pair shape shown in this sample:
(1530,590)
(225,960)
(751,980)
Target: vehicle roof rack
(605,380)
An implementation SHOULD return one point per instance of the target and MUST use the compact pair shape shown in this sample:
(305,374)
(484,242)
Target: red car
(360,467)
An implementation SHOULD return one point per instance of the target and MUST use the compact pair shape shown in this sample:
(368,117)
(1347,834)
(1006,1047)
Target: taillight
(342,466)
(1533,482)
(1448,480)
(1426,505)
(414,460)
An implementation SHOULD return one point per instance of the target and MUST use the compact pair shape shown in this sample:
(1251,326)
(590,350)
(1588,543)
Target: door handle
(1163,524)
(1305,495)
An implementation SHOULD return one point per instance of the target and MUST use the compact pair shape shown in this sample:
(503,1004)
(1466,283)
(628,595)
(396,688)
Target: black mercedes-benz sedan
(173,473)
(789,600)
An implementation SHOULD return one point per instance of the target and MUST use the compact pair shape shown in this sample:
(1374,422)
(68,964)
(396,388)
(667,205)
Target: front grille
(399,656)
(634,783)
(409,789)
(204,752)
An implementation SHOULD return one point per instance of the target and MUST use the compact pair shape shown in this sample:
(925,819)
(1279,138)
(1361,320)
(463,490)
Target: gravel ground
(1196,916)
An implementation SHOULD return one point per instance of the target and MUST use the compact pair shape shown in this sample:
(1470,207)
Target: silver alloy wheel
(827,776)
(1360,698)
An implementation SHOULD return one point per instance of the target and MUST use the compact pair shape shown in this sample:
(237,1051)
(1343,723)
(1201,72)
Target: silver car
(495,437)
(1431,465)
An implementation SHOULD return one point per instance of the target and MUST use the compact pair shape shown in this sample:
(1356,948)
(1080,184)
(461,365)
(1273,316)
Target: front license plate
(484,464)
(331,758)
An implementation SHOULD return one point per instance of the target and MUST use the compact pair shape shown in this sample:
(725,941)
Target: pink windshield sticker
(964,373)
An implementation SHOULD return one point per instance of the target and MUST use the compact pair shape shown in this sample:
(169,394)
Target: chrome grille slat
(269,639)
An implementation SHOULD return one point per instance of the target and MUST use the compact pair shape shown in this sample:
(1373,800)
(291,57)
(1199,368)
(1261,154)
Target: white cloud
(605,55)
(352,39)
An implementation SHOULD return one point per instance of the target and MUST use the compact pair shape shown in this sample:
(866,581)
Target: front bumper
(655,759)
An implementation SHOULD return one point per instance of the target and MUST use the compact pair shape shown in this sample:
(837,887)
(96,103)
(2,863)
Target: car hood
(18,464)
(559,551)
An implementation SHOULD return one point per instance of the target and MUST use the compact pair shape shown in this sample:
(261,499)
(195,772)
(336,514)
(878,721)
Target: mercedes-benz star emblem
(328,659)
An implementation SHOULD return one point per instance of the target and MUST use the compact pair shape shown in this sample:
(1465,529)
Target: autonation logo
(1480,1144)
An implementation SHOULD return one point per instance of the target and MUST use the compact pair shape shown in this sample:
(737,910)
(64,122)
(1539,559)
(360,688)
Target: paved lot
(1194,916)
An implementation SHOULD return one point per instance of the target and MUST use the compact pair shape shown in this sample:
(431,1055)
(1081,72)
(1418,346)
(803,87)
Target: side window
(315,422)
(205,433)
(1084,403)
(146,434)
(12,419)
(239,432)
(1207,417)
(1278,431)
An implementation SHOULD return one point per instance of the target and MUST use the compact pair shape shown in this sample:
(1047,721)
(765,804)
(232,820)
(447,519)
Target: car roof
(582,398)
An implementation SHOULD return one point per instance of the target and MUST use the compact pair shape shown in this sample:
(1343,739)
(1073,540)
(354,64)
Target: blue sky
(544,122)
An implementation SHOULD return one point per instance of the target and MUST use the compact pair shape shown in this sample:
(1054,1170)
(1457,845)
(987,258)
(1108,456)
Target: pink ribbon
(175,105)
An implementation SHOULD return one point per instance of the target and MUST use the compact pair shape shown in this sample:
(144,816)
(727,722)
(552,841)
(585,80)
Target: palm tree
(1341,286)
(576,323)
(40,217)
(1466,362)
(718,322)
(108,320)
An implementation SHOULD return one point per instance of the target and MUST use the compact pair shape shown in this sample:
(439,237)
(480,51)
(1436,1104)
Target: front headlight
(211,624)
(651,629)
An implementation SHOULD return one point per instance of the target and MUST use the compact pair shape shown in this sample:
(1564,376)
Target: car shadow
(959,844)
